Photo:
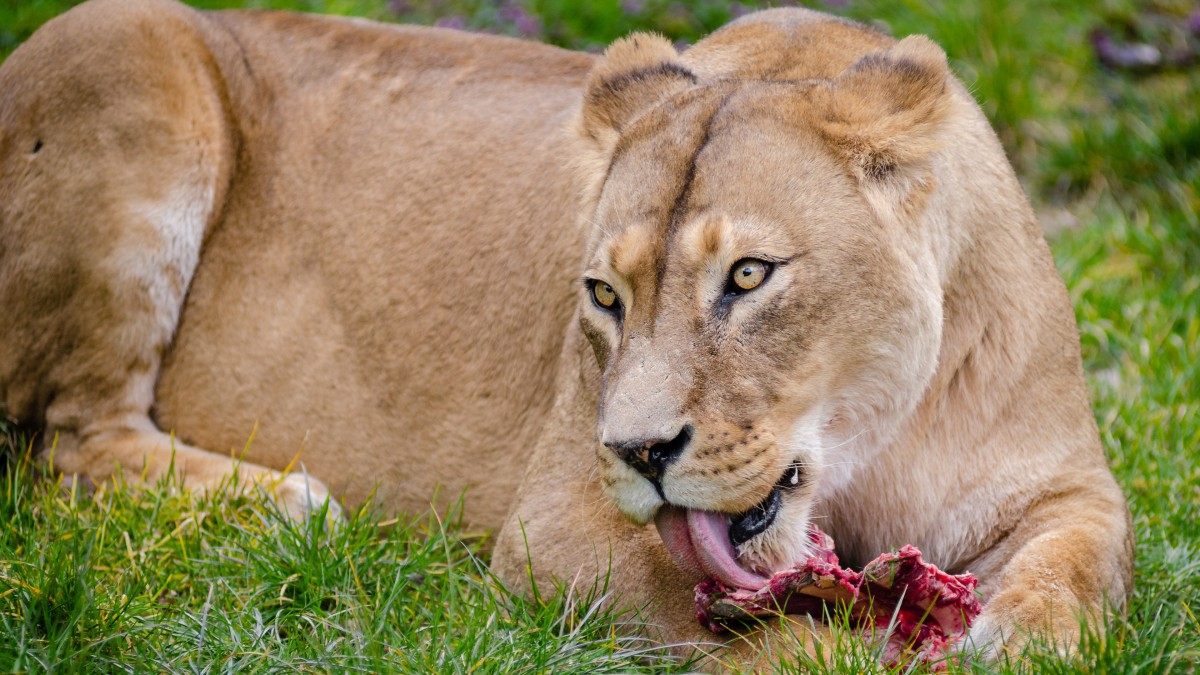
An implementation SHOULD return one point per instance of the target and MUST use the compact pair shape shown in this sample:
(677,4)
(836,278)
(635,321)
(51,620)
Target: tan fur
(361,241)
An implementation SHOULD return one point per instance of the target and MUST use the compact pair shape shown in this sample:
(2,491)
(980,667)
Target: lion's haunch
(922,609)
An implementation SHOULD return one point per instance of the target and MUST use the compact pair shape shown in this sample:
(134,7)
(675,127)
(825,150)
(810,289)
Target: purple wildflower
(633,6)
(456,22)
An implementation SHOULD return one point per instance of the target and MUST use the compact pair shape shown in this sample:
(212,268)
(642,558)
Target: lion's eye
(604,295)
(747,275)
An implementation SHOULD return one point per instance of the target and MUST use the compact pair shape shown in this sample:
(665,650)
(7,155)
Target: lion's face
(760,321)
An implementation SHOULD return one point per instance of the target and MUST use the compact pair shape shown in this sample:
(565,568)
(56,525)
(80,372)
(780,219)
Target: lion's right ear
(635,73)
(886,113)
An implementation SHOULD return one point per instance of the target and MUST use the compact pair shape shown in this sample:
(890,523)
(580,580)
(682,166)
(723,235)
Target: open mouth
(759,517)
(703,541)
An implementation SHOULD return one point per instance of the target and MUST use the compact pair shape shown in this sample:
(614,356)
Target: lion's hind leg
(115,152)
(143,453)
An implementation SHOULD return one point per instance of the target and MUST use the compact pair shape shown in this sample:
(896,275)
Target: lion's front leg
(1069,560)
(563,532)
(563,529)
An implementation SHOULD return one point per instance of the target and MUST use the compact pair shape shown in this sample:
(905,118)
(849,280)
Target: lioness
(785,276)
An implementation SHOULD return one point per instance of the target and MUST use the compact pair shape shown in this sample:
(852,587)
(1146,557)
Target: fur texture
(361,240)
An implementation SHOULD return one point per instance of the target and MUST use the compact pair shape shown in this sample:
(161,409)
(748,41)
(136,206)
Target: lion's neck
(1007,376)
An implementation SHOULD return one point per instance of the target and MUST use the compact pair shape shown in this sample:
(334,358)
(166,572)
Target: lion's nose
(650,457)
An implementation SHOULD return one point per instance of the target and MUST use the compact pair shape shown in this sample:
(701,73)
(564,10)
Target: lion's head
(759,291)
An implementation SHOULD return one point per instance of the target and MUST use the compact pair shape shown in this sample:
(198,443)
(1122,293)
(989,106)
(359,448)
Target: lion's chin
(634,497)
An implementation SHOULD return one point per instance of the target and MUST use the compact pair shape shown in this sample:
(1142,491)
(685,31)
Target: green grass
(164,581)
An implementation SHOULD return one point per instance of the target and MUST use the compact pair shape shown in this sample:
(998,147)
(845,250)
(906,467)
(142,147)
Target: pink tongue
(699,542)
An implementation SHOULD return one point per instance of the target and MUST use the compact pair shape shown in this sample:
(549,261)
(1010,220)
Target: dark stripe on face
(598,338)
(611,88)
(663,148)
(682,201)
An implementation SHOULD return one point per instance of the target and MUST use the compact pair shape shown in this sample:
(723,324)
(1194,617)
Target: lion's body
(364,241)
(347,251)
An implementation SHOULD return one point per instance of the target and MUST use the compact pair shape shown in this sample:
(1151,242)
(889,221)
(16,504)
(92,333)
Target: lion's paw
(300,495)
(1017,618)
(984,640)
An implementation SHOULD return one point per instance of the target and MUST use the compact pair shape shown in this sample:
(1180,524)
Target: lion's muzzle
(650,457)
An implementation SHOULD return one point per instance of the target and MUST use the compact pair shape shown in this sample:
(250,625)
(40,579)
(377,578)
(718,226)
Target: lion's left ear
(883,115)
(635,73)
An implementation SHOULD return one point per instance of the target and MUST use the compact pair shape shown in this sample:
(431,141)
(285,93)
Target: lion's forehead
(718,173)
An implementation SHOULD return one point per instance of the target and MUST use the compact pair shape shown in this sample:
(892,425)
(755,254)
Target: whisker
(823,465)
(848,440)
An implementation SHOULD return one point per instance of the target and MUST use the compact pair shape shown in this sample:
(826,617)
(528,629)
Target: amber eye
(604,295)
(747,275)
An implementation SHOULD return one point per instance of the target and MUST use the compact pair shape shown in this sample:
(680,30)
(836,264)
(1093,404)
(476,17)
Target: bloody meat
(922,610)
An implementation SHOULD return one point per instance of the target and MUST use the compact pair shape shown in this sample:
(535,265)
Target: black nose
(651,457)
